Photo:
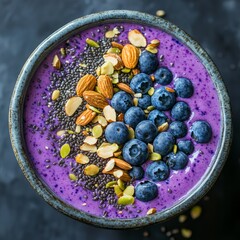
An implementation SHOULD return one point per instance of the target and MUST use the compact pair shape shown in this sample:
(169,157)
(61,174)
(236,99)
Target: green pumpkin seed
(92,43)
(155,156)
(63,52)
(175,149)
(121,184)
(126,70)
(150,108)
(151,91)
(72,177)
(83,65)
(129,191)
(126,200)
(118,191)
(94,109)
(98,71)
(116,90)
(111,184)
(97,131)
(115,80)
(114,50)
(65,150)
(196,212)
(131,133)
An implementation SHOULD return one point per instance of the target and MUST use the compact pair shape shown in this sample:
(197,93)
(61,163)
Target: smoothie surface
(44,150)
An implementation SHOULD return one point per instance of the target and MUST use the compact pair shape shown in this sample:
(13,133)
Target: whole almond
(95,99)
(87,82)
(121,164)
(125,88)
(105,86)
(130,56)
(115,59)
(85,117)
(117,45)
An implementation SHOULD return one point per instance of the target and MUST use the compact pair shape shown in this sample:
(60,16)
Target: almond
(120,174)
(88,148)
(72,105)
(85,117)
(120,117)
(117,45)
(130,56)
(107,151)
(82,159)
(151,211)
(105,86)
(56,63)
(115,59)
(109,166)
(125,88)
(122,164)
(90,140)
(95,99)
(136,38)
(135,71)
(87,82)
(110,113)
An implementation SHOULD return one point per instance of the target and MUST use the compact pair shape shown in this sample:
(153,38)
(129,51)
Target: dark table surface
(24,24)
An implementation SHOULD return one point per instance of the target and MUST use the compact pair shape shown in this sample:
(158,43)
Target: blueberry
(162,99)
(146,131)
(186,146)
(133,116)
(135,152)
(141,83)
(136,172)
(163,143)
(144,101)
(157,117)
(201,131)
(178,129)
(181,111)
(183,87)
(148,62)
(121,101)
(163,76)
(146,191)
(177,161)
(116,132)
(158,171)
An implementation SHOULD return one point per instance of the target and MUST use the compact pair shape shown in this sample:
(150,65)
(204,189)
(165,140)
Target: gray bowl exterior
(16,113)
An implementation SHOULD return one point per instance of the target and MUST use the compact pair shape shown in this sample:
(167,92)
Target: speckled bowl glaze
(16,113)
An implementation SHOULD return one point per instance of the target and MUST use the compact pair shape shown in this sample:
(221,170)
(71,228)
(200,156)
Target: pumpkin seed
(126,70)
(126,200)
(114,50)
(160,13)
(138,95)
(155,156)
(65,150)
(110,34)
(72,177)
(91,170)
(107,68)
(78,129)
(116,90)
(98,71)
(56,63)
(102,120)
(196,212)
(118,191)
(150,147)
(182,218)
(55,95)
(97,131)
(111,184)
(151,91)
(151,49)
(92,43)
(129,191)
(63,52)
(163,127)
(115,80)
(83,65)
(61,133)
(94,109)
(121,184)
(186,233)
(135,101)
(131,133)
(150,108)
(175,149)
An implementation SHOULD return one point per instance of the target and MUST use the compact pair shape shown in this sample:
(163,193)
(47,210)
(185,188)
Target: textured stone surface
(24,24)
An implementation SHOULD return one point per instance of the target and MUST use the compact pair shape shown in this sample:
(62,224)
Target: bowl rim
(17,100)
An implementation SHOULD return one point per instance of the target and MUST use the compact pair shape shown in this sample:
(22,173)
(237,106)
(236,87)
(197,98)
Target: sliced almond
(107,151)
(150,147)
(107,68)
(55,94)
(88,148)
(102,121)
(72,105)
(150,48)
(91,170)
(109,113)
(136,38)
(163,127)
(155,43)
(109,166)
(122,164)
(151,211)
(120,117)
(118,173)
(82,159)
(135,71)
(170,89)
(90,140)
(115,59)
(56,63)
(117,45)
(117,154)
(78,129)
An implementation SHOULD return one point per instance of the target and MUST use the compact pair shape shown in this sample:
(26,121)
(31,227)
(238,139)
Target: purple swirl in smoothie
(121,120)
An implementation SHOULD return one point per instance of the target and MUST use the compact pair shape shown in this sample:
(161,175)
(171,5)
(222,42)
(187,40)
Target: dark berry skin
(177,161)
(163,76)
(144,101)
(141,83)
(201,131)
(158,171)
(136,173)
(117,132)
(183,87)
(163,143)
(146,191)
(157,117)
(178,129)
(133,116)
(186,146)
(148,62)
(181,111)
(146,131)
(163,100)
(121,101)
(135,152)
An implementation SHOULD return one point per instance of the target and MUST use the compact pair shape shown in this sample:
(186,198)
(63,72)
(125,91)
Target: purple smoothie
(204,105)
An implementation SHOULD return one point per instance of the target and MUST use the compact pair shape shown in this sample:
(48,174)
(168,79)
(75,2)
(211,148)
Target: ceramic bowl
(16,112)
